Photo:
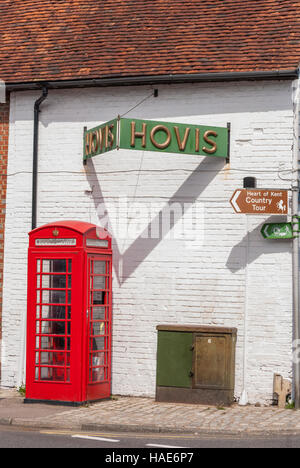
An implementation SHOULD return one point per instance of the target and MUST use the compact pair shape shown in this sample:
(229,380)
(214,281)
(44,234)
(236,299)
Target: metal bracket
(295,231)
(228,148)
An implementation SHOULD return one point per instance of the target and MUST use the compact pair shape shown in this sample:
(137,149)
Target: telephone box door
(99,327)
(55,319)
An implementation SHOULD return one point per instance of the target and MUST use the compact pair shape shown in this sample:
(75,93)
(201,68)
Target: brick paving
(144,414)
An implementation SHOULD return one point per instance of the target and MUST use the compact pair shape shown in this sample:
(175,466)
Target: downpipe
(37,105)
(295,220)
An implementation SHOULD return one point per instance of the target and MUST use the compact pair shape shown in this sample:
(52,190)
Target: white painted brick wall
(168,281)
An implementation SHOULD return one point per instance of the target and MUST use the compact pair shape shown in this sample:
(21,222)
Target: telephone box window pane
(53,297)
(97,373)
(98,343)
(99,282)
(98,359)
(99,267)
(53,311)
(46,373)
(55,374)
(52,343)
(46,281)
(57,312)
(55,266)
(38,266)
(53,328)
(46,311)
(58,297)
(54,281)
(98,313)
(58,328)
(46,358)
(45,297)
(97,328)
(98,297)
(53,359)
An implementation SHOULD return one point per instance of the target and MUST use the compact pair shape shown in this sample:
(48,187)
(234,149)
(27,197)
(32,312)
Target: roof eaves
(156,79)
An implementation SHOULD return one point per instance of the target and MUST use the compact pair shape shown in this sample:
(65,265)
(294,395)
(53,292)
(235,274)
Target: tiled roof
(77,39)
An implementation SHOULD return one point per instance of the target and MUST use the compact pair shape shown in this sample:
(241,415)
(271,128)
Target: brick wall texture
(4,130)
(212,274)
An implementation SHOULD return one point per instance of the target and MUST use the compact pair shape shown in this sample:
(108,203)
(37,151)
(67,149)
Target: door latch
(191,374)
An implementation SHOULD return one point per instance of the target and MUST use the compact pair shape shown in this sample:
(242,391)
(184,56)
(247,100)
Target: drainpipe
(35,155)
(295,208)
(38,102)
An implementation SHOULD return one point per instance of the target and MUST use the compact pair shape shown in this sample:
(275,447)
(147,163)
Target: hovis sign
(260,201)
(149,135)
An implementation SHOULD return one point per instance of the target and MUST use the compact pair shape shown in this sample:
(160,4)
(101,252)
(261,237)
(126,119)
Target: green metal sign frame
(150,135)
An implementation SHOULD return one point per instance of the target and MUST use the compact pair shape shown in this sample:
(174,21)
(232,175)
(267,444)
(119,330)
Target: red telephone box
(69,313)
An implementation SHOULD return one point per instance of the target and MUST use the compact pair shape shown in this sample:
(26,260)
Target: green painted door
(174,359)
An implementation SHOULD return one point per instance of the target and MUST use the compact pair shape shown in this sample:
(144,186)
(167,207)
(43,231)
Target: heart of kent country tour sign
(149,135)
(260,201)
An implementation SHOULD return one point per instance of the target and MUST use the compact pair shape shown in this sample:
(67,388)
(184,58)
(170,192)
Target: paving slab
(139,414)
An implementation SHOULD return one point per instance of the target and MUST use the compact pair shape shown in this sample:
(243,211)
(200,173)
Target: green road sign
(278,231)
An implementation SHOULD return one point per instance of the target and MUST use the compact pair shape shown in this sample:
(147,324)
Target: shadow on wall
(65,105)
(142,246)
(258,246)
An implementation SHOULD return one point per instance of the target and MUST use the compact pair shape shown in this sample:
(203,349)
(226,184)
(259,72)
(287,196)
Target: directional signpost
(277,231)
(260,201)
(266,201)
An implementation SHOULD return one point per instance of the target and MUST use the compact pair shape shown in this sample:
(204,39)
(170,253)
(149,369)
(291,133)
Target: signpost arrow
(278,231)
(234,199)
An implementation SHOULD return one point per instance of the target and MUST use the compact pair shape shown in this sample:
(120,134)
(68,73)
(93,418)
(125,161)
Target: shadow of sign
(144,244)
(238,260)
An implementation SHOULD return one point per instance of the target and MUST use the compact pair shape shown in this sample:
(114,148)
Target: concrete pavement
(138,414)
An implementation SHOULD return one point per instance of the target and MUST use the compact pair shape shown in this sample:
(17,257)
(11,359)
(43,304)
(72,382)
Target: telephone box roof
(78,226)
